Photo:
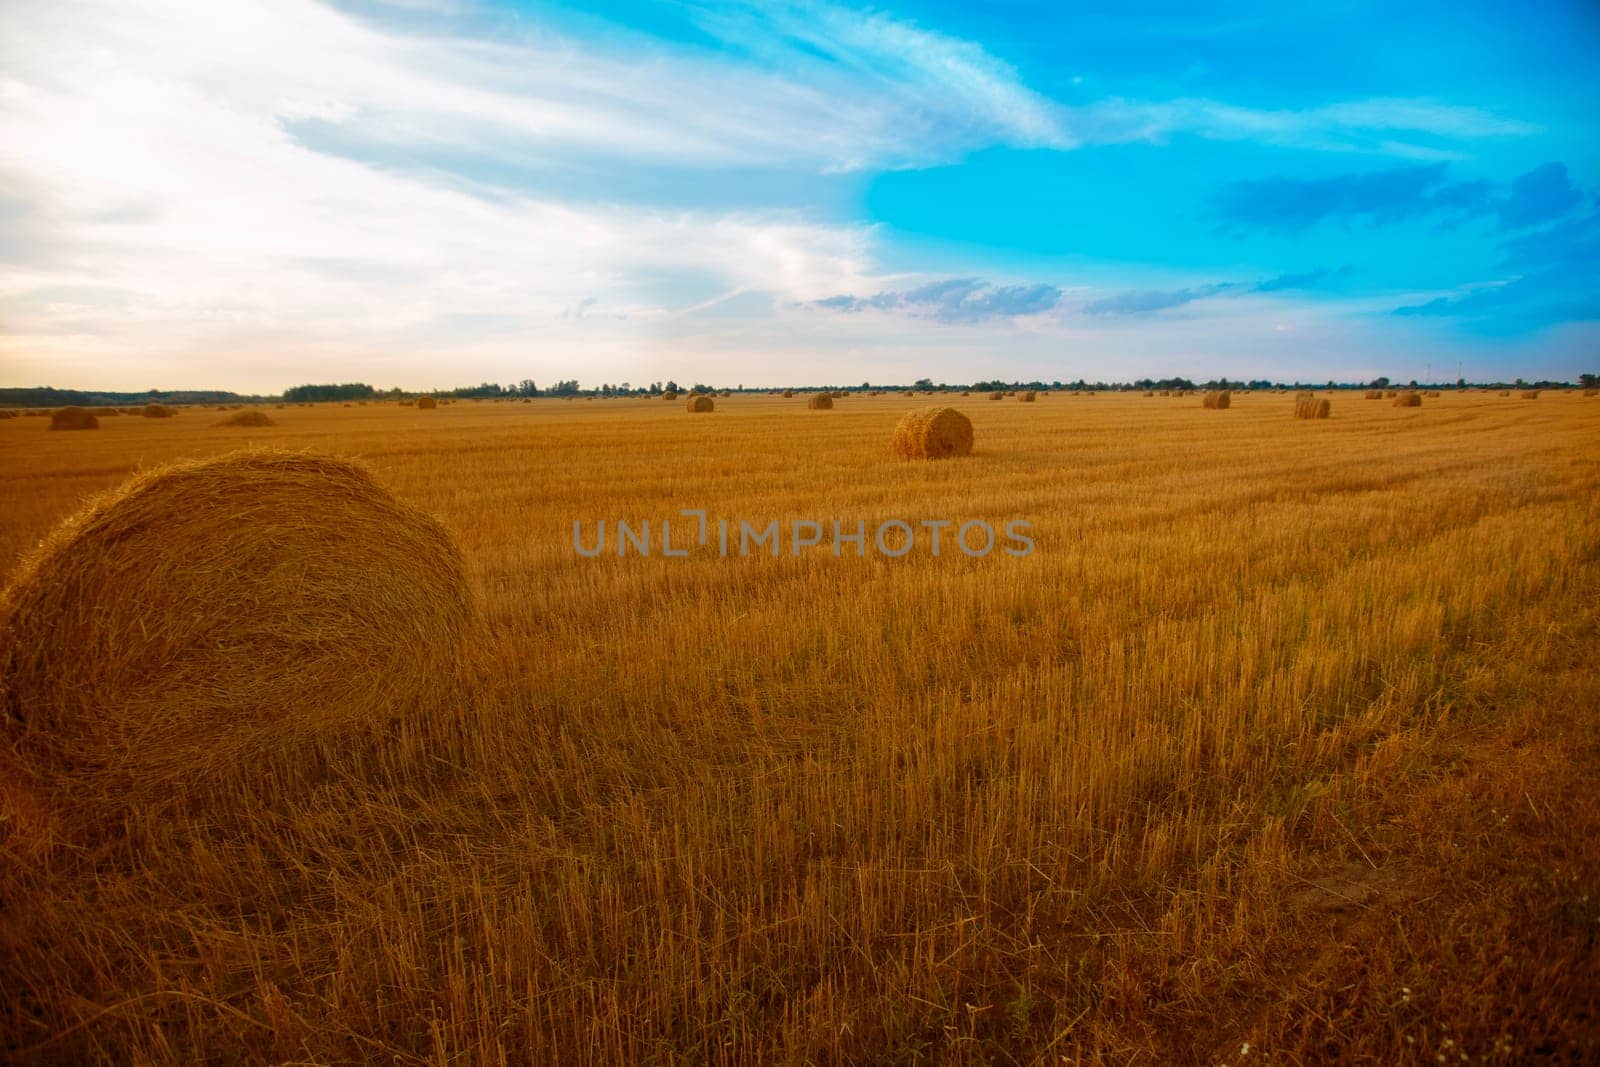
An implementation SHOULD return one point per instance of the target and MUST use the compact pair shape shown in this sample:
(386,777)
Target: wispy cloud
(1363,125)
(954,300)
(1398,194)
(1148,301)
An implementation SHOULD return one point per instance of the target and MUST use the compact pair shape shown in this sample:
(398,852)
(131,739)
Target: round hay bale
(1530,394)
(248,418)
(157,411)
(937,433)
(701,402)
(820,402)
(223,621)
(997,396)
(73,418)
(427,403)
(1408,400)
(1217,399)
(669,395)
(788,394)
(1029,397)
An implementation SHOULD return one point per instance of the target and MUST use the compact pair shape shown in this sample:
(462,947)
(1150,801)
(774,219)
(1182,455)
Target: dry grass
(1094,804)
(73,418)
(1217,399)
(820,402)
(701,402)
(938,433)
(251,417)
(1407,400)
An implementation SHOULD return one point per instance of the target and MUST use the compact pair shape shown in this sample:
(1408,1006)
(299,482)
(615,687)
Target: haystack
(427,403)
(788,394)
(1217,399)
(157,411)
(669,395)
(224,621)
(997,396)
(701,402)
(1408,400)
(73,418)
(1309,406)
(937,433)
(1029,397)
(1530,394)
(820,402)
(248,418)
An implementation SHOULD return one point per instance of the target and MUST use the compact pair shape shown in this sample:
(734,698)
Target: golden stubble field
(1281,746)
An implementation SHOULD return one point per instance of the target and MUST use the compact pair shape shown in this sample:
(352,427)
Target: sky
(252,194)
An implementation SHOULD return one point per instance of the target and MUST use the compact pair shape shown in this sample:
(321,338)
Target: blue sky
(436,192)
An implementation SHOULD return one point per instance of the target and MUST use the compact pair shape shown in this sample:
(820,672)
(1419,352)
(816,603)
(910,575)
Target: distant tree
(1379,383)
(1589,381)
(920,383)
(344,391)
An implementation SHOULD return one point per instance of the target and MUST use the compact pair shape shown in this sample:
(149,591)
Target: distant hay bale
(1408,400)
(669,395)
(1029,397)
(6,413)
(1591,392)
(838,394)
(1309,406)
(788,394)
(1151,392)
(1505,392)
(108,413)
(225,620)
(966,392)
(725,393)
(1374,394)
(248,418)
(157,411)
(820,402)
(997,396)
(701,402)
(427,403)
(1391,394)
(1530,394)
(1431,393)
(1216,399)
(73,418)
(938,433)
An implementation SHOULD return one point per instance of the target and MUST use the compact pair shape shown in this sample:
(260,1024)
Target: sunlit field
(1282,745)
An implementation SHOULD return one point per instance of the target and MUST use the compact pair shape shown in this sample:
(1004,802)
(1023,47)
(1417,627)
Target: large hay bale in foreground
(937,433)
(1217,399)
(819,402)
(427,403)
(248,418)
(701,402)
(221,621)
(73,418)
(1408,400)
(157,411)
